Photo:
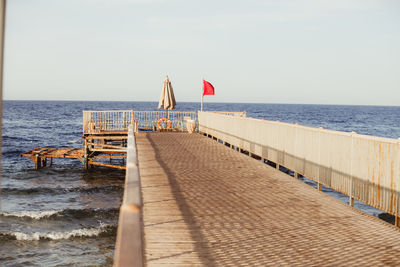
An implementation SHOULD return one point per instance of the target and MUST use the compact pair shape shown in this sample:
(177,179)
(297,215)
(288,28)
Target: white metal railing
(99,121)
(366,168)
(119,120)
(148,119)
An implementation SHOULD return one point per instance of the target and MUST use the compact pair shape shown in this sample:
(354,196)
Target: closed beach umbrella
(167,98)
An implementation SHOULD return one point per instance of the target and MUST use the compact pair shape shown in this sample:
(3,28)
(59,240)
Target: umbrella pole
(202,103)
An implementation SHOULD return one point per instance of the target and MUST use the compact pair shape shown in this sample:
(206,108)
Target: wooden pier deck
(205,204)
(40,155)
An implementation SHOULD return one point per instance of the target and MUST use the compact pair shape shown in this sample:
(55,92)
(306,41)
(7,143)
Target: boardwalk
(205,204)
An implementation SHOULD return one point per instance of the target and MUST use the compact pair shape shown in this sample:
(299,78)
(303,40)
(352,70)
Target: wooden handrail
(128,248)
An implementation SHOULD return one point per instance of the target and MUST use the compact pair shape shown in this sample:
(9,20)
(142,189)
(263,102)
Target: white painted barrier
(363,167)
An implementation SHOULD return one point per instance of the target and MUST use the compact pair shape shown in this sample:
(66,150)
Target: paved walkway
(207,205)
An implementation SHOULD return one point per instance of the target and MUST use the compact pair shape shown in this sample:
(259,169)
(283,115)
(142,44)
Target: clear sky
(310,52)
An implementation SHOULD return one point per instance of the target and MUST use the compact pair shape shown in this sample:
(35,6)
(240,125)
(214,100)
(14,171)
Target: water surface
(65,215)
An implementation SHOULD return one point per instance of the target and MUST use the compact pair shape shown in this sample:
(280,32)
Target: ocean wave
(102,230)
(30,214)
(54,214)
(55,190)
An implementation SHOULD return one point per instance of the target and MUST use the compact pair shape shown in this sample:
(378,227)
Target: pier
(217,196)
(210,199)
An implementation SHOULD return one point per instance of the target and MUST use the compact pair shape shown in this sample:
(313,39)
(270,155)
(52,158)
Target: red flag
(208,89)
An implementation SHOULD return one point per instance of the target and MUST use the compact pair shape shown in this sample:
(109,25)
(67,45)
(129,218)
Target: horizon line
(224,102)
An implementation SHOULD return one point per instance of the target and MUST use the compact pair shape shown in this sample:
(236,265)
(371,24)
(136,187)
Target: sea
(67,216)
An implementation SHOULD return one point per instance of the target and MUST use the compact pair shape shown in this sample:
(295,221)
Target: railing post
(319,158)
(397,198)
(351,193)
(84,121)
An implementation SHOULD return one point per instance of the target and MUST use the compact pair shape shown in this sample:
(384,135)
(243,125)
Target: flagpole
(202,96)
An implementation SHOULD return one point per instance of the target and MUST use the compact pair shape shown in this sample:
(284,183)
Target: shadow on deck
(205,204)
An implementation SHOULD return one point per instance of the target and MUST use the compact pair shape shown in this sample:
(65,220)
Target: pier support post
(37,162)
(397,220)
(277,166)
(85,156)
(51,162)
(296,175)
(319,186)
(44,162)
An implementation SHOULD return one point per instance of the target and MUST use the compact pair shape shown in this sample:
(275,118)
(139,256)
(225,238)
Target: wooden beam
(108,146)
(105,150)
(40,151)
(69,152)
(107,165)
(106,137)
(117,151)
(109,156)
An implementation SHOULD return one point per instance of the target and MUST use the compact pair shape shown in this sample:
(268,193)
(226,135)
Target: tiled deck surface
(205,204)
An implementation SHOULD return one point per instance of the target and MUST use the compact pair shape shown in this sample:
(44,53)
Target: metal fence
(366,168)
(148,119)
(100,121)
(119,120)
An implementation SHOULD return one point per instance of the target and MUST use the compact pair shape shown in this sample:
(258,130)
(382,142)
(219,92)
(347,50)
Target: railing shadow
(205,254)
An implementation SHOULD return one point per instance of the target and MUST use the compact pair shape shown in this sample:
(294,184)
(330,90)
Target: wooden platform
(205,204)
(40,156)
(75,153)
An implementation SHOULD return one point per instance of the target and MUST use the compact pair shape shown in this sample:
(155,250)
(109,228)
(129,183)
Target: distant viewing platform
(105,135)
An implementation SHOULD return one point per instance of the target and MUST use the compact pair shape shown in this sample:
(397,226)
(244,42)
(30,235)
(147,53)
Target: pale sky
(304,51)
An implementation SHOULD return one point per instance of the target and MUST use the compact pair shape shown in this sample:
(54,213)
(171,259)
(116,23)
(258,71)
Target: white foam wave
(31,214)
(84,232)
